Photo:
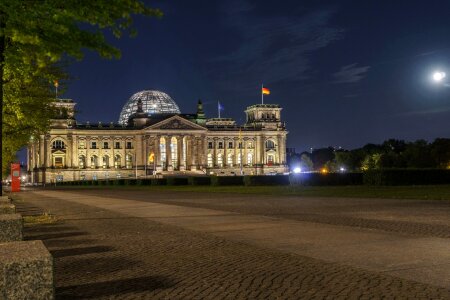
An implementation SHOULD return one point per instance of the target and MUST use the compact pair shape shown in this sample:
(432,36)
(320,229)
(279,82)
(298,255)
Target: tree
(306,162)
(34,35)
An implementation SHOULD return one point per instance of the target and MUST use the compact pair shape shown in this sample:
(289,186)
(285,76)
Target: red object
(265,91)
(15,177)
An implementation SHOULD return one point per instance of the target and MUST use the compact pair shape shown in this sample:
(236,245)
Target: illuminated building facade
(153,137)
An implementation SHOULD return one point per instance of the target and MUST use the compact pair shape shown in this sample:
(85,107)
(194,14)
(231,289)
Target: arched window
(117,163)
(162,151)
(105,162)
(210,160)
(94,161)
(81,162)
(220,160)
(58,144)
(270,144)
(129,161)
(249,159)
(174,151)
(230,159)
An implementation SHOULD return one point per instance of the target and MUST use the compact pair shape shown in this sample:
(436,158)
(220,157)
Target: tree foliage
(390,154)
(34,36)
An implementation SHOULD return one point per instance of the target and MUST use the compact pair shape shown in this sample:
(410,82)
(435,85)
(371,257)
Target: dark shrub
(119,182)
(227,180)
(146,181)
(94,182)
(103,182)
(319,179)
(266,180)
(177,181)
(130,181)
(199,180)
(407,177)
(158,181)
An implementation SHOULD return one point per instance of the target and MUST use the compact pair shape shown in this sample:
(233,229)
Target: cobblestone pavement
(102,254)
(417,217)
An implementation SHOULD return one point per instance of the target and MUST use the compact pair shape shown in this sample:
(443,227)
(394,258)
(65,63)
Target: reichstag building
(152,137)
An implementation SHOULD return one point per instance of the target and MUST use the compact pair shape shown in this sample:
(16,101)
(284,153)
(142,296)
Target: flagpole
(218,108)
(262,94)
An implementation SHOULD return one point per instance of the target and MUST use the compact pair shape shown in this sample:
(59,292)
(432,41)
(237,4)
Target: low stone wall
(26,271)
(11,226)
(5,199)
(7,208)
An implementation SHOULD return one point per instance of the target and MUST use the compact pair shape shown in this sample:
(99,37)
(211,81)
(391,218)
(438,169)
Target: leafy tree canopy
(34,36)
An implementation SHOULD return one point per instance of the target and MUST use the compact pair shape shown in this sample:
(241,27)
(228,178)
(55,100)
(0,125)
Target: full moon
(438,76)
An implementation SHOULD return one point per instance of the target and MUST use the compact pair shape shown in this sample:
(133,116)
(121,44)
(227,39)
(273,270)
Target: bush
(199,180)
(319,179)
(266,180)
(158,181)
(227,180)
(146,181)
(407,177)
(177,181)
(130,181)
(119,182)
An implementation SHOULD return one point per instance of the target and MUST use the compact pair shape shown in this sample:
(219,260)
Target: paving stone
(106,255)
(6,208)
(26,271)
(11,226)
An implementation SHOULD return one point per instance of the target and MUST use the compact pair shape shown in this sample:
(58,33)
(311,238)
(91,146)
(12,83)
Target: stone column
(168,153)
(194,153)
(181,163)
(188,152)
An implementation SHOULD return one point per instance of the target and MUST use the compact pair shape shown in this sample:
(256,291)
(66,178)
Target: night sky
(346,72)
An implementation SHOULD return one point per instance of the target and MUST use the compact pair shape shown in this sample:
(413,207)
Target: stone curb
(26,271)
(11,227)
(6,208)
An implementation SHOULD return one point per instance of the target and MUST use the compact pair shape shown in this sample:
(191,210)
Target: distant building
(153,137)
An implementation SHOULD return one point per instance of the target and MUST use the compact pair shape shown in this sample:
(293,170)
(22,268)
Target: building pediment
(175,123)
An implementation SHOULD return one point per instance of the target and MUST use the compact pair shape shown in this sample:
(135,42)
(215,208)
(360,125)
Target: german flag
(265,91)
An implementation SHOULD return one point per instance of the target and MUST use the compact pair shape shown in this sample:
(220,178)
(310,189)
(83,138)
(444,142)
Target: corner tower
(266,116)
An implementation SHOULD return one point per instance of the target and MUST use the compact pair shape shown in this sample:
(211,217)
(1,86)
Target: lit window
(128,161)
(210,160)
(220,160)
(117,162)
(270,144)
(105,162)
(58,144)
(81,162)
(230,159)
(250,159)
(81,145)
(250,144)
(58,162)
(94,162)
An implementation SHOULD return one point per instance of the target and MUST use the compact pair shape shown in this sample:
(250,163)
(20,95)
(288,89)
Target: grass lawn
(435,192)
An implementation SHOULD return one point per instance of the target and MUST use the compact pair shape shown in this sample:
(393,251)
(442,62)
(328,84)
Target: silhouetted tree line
(390,154)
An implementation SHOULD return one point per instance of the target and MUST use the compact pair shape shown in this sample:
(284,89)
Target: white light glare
(438,76)
(342,169)
(297,170)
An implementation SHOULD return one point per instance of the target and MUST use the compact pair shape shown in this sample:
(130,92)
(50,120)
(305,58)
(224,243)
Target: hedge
(227,180)
(407,177)
(199,180)
(319,179)
(266,180)
(147,181)
(158,181)
(177,181)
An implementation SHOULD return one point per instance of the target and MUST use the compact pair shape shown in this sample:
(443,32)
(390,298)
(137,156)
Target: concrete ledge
(26,271)
(6,208)
(5,199)
(11,228)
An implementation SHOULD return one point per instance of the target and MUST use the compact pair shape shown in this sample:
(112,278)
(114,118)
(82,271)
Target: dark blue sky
(345,72)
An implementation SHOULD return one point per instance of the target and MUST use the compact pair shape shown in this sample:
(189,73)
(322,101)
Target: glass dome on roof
(153,102)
